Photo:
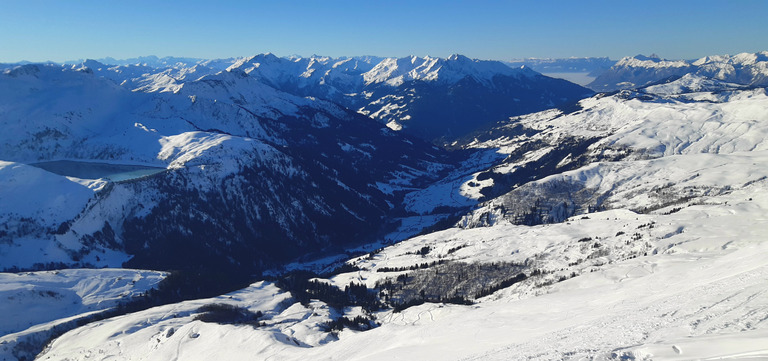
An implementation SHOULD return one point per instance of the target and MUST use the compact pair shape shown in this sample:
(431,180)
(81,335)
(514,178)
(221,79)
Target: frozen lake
(98,170)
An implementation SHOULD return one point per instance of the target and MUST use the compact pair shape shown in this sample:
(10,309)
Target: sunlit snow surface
(683,280)
(34,304)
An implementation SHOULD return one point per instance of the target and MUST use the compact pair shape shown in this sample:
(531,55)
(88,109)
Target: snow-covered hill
(644,286)
(631,72)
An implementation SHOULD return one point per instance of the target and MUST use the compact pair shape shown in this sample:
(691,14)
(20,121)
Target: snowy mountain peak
(653,61)
(255,61)
(458,57)
(395,72)
(743,59)
(90,64)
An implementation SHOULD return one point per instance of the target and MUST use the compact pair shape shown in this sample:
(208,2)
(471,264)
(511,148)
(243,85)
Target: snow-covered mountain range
(627,225)
(424,96)
(432,98)
(631,72)
(428,97)
(237,168)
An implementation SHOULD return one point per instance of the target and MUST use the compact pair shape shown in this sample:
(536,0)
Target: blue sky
(58,30)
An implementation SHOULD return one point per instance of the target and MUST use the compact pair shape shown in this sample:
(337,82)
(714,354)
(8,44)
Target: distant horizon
(101,59)
(53,30)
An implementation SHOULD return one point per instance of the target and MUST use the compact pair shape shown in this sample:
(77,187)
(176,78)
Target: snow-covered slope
(690,83)
(38,305)
(36,297)
(631,72)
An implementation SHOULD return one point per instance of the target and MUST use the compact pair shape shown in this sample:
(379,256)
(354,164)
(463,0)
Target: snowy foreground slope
(649,243)
(37,305)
